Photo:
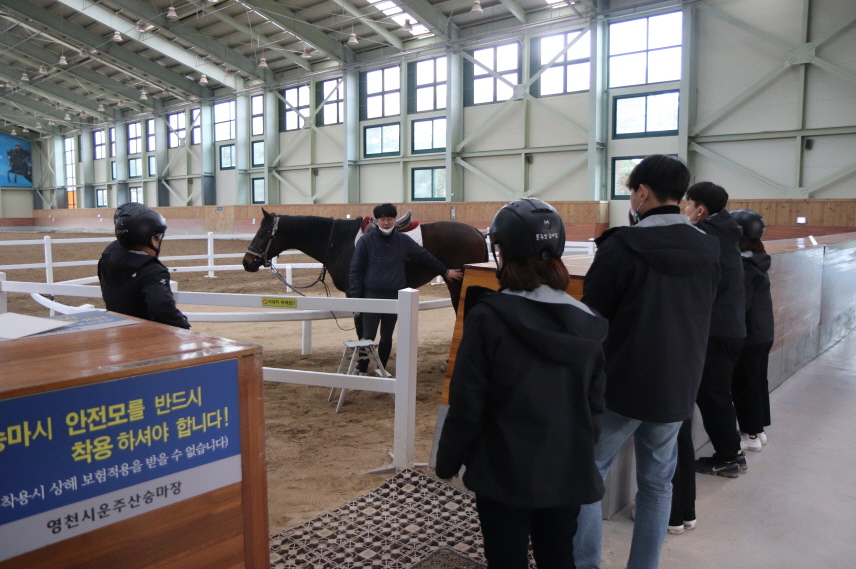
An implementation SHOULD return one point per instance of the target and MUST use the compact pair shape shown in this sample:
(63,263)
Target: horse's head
(259,252)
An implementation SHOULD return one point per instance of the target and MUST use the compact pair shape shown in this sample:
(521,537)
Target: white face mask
(386,231)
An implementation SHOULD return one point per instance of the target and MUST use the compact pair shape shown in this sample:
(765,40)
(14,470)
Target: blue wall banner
(77,459)
(16,162)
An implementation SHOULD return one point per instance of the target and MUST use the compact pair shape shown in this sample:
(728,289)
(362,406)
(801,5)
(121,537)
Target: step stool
(358,350)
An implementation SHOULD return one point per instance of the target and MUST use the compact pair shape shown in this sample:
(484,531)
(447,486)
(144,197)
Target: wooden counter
(226,527)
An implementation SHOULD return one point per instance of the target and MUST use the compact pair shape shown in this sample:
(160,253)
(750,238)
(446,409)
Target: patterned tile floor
(404,521)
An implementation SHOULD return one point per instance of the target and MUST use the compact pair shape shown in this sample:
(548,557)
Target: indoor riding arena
(263,134)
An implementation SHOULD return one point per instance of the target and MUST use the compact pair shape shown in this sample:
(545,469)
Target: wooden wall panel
(839,280)
(822,213)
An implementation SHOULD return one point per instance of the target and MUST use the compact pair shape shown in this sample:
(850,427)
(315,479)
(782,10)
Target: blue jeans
(656,455)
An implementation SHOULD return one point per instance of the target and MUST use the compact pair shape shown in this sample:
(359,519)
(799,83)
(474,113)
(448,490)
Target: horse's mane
(306,224)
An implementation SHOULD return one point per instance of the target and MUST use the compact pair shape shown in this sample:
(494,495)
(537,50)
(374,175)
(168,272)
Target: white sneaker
(763,436)
(676,530)
(690,524)
(747,443)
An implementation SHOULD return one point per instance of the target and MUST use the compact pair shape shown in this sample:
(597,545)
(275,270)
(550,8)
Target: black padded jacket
(524,402)
(728,317)
(655,283)
(759,302)
(137,284)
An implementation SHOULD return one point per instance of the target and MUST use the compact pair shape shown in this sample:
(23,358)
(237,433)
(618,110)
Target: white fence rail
(402,386)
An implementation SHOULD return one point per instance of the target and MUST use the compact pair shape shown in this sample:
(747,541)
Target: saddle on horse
(403,224)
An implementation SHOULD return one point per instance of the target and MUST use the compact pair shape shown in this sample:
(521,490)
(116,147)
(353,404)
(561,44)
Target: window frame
(68,147)
(381,154)
(646,51)
(138,190)
(339,102)
(222,148)
(139,161)
(231,121)
(151,140)
(196,131)
(112,140)
(71,198)
(253,190)
(299,109)
(412,87)
(253,145)
(470,77)
(177,132)
(433,189)
(135,143)
(612,194)
(433,149)
(96,145)
(254,116)
(99,193)
(113,170)
(152,172)
(364,94)
(643,134)
(535,64)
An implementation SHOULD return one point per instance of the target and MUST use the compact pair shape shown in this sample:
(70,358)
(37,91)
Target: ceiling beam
(394,40)
(14,116)
(40,109)
(431,18)
(259,38)
(94,41)
(302,29)
(105,86)
(515,9)
(195,37)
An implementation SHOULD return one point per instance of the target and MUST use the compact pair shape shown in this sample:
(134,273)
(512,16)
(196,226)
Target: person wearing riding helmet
(750,388)
(377,271)
(133,280)
(526,395)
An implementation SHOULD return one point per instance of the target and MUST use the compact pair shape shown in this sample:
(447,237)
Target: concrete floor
(796,505)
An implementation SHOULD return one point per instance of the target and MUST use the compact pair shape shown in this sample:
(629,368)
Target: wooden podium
(138,410)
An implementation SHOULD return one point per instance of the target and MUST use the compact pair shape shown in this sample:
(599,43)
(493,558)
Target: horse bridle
(263,255)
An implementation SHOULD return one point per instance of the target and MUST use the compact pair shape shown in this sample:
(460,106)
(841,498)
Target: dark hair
(385,210)
(753,245)
(709,195)
(530,273)
(667,177)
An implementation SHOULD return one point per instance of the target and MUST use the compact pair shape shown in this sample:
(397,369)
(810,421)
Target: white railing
(403,386)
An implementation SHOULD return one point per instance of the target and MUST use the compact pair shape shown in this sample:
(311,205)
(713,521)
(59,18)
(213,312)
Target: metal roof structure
(98,61)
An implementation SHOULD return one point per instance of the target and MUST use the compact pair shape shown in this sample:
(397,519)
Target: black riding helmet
(527,228)
(136,224)
(751,222)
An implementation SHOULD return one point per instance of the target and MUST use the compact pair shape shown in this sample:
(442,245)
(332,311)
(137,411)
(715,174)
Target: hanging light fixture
(82,114)
(228,73)
(25,129)
(100,107)
(84,53)
(42,69)
(263,63)
(307,53)
(51,123)
(62,60)
(38,124)
(25,77)
(352,40)
(203,80)
(407,27)
(171,13)
(141,26)
(120,103)
(67,117)
(14,132)
(117,37)
(476,7)
(143,95)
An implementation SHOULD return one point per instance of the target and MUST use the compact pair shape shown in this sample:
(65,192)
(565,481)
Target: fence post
(405,378)
(306,345)
(289,278)
(210,253)
(3,308)
(49,264)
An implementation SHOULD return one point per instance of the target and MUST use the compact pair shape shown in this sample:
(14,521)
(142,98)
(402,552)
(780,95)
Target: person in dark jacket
(655,282)
(133,280)
(750,388)
(706,208)
(377,271)
(526,395)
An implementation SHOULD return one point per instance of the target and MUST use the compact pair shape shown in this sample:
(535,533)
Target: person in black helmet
(526,396)
(133,280)
(377,271)
(750,388)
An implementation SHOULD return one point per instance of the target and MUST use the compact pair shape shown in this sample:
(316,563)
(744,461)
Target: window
(224,121)
(381,93)
(297,108)
(647,50)
(427,85)
(429,184)
(101,198)
(135,135)
(331,91)
(113,170)
(227,157)
(153,171)
(112,142)
(400,17)
(621,168)
(382,140)
(570,72)
(70,166)
(136,194)
(257,110)
(150,135)
(98,144)
(196,131)
(177,129)
(258,190)
(71,198)
(135,168)
(655,114)
(257,155)
(505,60)
(429,135)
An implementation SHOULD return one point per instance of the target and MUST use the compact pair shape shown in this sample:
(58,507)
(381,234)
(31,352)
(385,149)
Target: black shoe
(716,467)
(741,462)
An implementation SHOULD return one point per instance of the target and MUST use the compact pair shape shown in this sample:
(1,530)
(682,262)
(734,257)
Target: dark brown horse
(331,242)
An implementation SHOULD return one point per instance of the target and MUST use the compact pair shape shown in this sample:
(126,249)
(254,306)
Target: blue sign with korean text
(67,446)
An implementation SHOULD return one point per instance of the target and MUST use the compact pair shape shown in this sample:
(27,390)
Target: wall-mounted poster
(16,162)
